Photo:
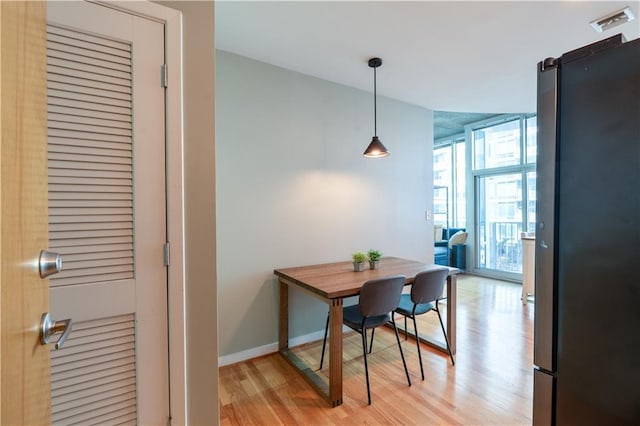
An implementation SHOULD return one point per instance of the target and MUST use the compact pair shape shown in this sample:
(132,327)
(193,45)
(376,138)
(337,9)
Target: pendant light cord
(375,108)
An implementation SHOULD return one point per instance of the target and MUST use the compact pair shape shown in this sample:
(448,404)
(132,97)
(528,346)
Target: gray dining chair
(378,299)
(426,289)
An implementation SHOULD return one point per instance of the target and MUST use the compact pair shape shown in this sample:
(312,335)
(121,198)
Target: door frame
(172,19)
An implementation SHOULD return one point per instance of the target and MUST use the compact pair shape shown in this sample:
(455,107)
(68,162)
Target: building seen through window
(449,174)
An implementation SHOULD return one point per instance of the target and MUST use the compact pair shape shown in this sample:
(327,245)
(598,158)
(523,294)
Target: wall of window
(485,181)
(503,179)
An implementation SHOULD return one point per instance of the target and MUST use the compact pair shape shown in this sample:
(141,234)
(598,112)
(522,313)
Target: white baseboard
(270,348)
(248,354)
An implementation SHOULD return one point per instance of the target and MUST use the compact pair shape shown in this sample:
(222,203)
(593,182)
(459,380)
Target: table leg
(335,352)
(333,392)
(283,320)
(452,300)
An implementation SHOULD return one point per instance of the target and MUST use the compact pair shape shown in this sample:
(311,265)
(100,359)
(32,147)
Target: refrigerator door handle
(544,321)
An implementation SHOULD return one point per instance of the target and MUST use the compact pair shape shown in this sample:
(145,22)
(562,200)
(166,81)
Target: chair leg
(373,330)
(324,342)
(406,370)
(363,333)
(406,331)
(415,328)
(446,339)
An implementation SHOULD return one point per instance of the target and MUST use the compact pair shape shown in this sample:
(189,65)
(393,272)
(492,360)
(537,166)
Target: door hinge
(166,250)
(548,64)
(164,75)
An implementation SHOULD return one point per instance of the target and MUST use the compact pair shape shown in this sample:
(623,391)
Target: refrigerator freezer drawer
(542,398)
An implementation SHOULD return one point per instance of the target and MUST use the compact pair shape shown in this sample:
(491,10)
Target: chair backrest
(381,296)
(428,285)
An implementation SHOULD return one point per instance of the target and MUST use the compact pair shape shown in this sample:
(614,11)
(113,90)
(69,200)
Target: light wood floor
(491,383)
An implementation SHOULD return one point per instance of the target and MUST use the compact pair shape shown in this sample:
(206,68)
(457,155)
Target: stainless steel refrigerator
(587,296)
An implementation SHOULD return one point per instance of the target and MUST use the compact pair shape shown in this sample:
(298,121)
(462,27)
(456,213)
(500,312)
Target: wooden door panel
(25,392)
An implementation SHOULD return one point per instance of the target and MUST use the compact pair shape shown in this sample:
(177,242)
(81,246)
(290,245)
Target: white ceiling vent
(613,20)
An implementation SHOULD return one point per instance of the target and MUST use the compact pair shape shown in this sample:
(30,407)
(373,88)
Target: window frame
(473,175)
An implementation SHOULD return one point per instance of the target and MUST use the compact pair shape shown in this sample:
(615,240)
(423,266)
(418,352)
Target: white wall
(292,188)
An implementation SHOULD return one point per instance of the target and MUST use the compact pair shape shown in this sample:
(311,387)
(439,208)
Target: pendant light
(375,149)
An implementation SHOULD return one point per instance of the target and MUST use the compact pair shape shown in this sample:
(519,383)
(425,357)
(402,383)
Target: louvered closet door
(107,217)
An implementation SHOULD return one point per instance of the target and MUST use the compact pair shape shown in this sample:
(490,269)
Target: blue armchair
(445,256)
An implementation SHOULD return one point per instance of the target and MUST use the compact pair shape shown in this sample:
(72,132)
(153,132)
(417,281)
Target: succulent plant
(374,255)
(359,257)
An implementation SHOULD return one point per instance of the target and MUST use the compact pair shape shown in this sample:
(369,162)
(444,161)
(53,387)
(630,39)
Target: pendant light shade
(375,149)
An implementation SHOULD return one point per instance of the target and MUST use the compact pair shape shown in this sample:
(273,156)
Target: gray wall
(200,225)
(292,188)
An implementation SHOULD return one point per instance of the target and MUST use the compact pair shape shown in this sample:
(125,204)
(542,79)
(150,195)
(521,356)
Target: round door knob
(49,263)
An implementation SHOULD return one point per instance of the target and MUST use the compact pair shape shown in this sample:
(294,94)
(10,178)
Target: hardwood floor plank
(491,383)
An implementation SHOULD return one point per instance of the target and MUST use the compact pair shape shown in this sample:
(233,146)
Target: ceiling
(473,56)
(447,124)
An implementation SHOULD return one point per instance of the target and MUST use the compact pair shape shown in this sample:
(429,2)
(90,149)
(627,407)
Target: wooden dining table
(331,283)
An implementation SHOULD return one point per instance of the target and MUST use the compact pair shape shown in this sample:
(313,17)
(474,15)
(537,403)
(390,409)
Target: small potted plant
(359,259)
(374,258)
